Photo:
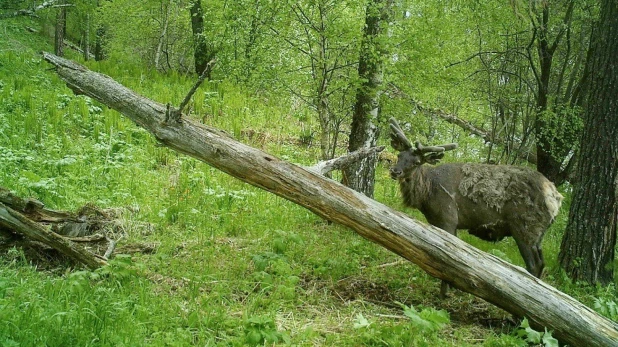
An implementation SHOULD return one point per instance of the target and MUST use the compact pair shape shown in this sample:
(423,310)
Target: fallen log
(13,221)
(78,235)
(32,11)
(440,254)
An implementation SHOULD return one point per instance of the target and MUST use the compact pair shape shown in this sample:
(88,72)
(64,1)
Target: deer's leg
(533,257)
(451,228)
(539,251)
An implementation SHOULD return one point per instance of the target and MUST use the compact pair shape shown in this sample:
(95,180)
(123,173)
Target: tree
(61,27)
(165,10)
(203,53)
(322,56)
(530,67)
(587,249)
(551,148)
(360,176)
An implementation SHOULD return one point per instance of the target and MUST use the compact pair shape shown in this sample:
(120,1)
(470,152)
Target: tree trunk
(587,249)
(86,41)
(202,54)
(99,51)
(440,254)
(61,24)
(163,34)
(551,149)
(360,176)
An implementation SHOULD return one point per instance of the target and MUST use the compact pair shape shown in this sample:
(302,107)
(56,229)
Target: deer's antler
(399,141)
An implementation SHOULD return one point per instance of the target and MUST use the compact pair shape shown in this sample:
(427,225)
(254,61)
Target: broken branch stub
(325,167)
(442,255)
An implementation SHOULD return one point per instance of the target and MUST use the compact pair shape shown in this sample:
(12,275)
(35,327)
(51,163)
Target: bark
(202,54)
(588,246)
(360,176)
(442,255)
(61,24)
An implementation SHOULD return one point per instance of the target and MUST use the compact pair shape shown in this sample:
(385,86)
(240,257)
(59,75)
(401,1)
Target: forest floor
(227,263)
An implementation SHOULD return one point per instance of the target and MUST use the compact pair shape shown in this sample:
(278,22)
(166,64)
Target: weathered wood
(18,223)
(34,209)
(440,254)
(326,166)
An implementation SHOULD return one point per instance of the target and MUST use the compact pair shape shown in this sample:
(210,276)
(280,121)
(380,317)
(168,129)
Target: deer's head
(410,157)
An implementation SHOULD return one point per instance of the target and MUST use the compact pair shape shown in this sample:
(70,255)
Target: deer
(490,201)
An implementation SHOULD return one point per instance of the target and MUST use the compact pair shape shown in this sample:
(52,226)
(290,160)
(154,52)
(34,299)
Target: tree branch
(31,11)
(324,167)
(465,125)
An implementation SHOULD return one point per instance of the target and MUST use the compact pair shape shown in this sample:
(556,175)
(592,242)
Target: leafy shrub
(261,329)
(607,308)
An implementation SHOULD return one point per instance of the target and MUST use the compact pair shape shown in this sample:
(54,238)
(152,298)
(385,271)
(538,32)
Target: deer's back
(490,197)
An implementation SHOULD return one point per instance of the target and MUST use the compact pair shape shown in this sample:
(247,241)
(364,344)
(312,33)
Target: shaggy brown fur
(491,201)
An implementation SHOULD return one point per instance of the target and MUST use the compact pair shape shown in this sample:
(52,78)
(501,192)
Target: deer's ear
(433,158)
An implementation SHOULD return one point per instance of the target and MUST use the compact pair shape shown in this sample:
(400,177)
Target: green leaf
(361,321)
(439,317)
(549,340)
(533,336)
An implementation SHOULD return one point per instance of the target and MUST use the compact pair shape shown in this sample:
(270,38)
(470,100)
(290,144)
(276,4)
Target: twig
(176,113)
(397,262)
(111,247)
(391,316)
(91,238)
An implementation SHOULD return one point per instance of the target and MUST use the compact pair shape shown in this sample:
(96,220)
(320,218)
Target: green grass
(234,265)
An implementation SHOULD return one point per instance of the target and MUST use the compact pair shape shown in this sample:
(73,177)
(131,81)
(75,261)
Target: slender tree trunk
(322,75)
(202,54)
(61,24)
(360,176)
(163,34)
(587,249)
(86,40)
(99,53)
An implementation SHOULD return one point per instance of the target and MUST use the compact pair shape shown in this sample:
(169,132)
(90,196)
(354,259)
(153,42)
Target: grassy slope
(234,264)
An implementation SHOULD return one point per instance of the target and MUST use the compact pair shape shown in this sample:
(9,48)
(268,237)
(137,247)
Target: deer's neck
(415,187)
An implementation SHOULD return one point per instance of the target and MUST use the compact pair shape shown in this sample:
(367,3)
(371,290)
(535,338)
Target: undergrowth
(234,265)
